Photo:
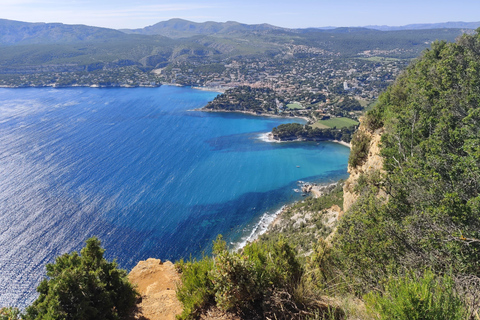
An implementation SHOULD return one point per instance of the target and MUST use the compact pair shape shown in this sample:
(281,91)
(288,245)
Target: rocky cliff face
(374,162)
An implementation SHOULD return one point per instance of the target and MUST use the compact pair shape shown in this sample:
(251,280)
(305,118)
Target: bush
(196,290)
(412,297)
(9,313)
(84,286)
(243,282)
(360,147)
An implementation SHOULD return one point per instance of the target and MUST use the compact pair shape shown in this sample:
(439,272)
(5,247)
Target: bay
(140,170)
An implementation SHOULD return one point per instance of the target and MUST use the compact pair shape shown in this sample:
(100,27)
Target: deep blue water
(138,169)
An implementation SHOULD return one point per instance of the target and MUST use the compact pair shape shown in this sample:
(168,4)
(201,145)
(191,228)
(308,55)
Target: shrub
(196,290)
(84,286)
(235,282)
(373,119)
(360,146)
(251,282)
(412,297)
(9,313)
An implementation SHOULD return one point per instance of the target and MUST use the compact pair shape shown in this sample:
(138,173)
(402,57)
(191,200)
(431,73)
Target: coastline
(268,137)
(82,86)
(253,114)
(269,220)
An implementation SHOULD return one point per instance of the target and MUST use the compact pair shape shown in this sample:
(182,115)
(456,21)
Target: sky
(119,14)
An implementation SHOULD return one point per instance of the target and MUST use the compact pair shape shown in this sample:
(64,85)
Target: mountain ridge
(18,32)
(181,28)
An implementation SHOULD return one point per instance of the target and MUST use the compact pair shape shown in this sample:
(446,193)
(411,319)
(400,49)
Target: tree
(84,286)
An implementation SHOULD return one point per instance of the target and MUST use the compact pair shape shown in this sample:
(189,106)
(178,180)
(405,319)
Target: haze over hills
(456,24)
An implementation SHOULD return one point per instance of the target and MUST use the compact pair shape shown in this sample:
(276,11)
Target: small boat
(298,166)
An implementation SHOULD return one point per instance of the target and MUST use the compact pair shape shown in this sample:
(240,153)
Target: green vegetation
(261,281)
(359,151)
(337,122)
(294,106)
(296,131)
(380,59)
(83,286)
(9,313)
(319,125)
(304,222)
(245,98)
(423,211)
(413,297)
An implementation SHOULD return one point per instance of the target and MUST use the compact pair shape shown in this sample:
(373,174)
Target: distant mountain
(55,47)
(17,32)
(179,28)
(443,25)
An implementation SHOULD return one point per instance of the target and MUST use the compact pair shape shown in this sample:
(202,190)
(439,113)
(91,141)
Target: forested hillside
(430,216)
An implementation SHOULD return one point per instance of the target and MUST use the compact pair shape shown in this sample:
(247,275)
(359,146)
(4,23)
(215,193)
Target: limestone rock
(156,282)
(374,162)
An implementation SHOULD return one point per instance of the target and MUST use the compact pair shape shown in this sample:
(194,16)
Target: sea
(141,170)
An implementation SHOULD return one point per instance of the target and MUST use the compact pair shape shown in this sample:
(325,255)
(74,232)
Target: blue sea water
(140,170)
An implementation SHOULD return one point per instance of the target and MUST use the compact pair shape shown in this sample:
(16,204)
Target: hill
(17,32)
(179,28)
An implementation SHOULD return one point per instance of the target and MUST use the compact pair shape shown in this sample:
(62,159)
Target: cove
(140,170)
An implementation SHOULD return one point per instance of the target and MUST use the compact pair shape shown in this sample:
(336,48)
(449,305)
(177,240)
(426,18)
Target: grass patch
(294,106)
(335,122)
(363,103)
(319,125)
(381,59)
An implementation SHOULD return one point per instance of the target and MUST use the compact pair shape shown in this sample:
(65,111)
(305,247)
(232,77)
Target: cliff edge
(156,282)
(373,162)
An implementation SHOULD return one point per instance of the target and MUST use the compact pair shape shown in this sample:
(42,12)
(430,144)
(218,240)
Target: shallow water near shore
(138,169)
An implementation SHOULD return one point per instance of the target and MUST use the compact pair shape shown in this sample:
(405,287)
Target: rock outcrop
(374,162)
(156,282)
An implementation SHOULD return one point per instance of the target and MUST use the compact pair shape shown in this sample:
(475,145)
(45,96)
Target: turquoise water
(140,170)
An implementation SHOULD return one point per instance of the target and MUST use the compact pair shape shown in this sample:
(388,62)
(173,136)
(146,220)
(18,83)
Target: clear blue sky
(291,13)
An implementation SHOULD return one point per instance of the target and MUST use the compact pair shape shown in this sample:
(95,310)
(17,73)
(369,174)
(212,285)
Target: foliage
(245,98)
(423,212)
(360,147)
(84,286)
(319,265)
(245,282)
(412,297)
(311,211)
(9,313)
(350,104)
(339,122)
(293,131)
(196,291)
